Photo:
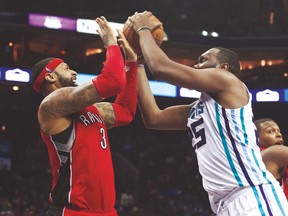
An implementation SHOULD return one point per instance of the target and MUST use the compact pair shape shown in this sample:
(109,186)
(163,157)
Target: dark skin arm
(213,78)
(56,110)
(221,84)
(275,159)
(171,118)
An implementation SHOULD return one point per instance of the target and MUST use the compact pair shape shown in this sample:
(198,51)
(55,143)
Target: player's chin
(74,83)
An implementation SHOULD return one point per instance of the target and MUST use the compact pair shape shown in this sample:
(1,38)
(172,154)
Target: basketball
(133,38)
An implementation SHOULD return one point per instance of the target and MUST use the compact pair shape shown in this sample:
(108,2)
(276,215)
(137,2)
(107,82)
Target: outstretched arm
(55,109)
(123,110)
(275,158)
(171,118)
(163,68)
(212,77)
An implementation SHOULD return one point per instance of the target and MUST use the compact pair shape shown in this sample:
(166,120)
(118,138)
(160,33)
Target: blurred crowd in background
(229,18)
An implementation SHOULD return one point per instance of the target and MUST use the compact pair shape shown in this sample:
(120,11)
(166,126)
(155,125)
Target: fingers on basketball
(133,38)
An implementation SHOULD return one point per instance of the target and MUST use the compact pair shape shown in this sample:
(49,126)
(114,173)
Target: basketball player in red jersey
(274,153)
(73,124)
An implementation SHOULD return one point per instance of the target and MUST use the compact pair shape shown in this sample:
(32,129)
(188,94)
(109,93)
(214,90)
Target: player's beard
(66,82)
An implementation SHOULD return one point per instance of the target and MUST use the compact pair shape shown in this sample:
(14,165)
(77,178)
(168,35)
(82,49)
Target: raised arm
(123,110)
(207,76)
(171,118)
(55,109)
(162,67)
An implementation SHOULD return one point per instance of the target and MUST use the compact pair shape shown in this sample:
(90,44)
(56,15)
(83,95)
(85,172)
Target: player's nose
(278,134)
(196,66)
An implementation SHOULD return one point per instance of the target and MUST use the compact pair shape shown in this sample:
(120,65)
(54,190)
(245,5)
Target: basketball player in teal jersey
(220,123)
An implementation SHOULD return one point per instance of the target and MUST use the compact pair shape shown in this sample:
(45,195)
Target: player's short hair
(38,67)
(228,56)
(258,122)
(39,70)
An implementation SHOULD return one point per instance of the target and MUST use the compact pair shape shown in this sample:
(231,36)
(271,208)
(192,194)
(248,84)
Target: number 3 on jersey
(198,133)
(103,142)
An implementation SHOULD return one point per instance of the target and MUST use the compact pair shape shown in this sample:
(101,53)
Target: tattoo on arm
(70,100)
(107,112)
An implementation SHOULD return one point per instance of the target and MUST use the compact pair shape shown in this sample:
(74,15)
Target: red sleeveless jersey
(82,169)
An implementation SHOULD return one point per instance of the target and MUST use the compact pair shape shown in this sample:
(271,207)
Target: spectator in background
(273,151)
(73,123)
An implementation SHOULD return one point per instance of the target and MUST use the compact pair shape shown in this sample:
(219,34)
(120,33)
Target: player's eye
(201,60)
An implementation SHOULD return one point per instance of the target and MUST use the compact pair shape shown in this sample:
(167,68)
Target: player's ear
(50,77)
(224,66)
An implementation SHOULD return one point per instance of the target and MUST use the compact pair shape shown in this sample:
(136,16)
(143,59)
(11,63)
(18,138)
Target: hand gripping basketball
(155,26)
